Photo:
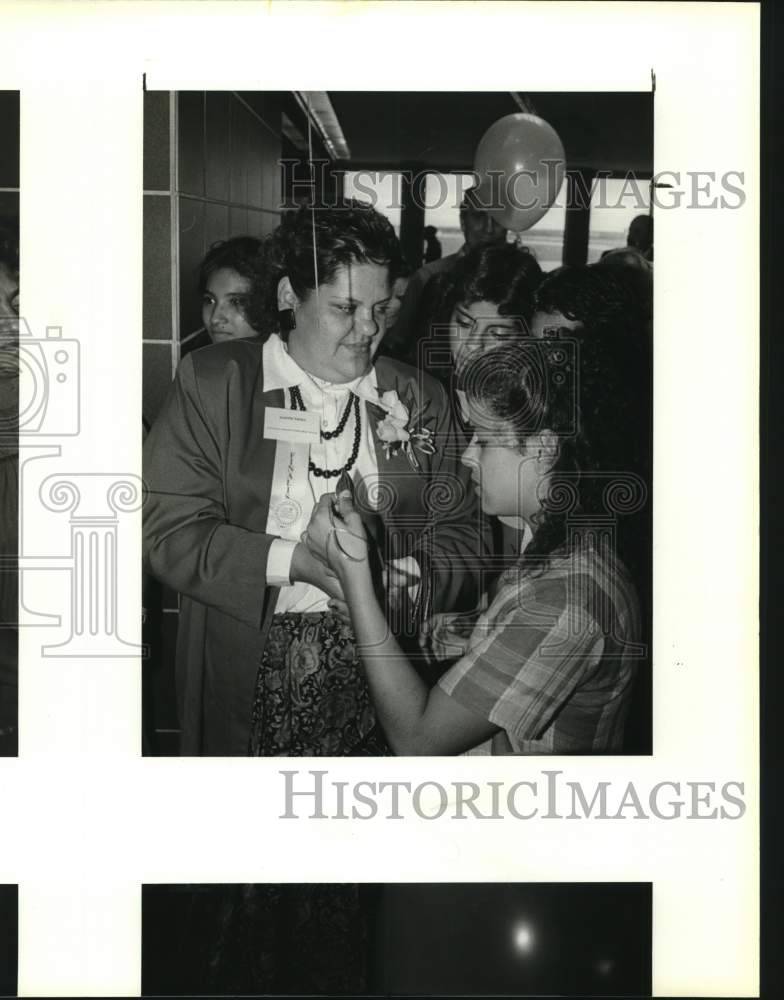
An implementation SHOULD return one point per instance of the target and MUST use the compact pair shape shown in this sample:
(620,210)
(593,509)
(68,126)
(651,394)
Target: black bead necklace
(296,397)
(297,403)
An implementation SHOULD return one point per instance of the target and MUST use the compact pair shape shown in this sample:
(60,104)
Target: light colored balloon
(520,165)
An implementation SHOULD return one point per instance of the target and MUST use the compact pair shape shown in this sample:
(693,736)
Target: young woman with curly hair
(549,666)
(489,298)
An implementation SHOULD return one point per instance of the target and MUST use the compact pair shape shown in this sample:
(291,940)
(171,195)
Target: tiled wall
(210,172)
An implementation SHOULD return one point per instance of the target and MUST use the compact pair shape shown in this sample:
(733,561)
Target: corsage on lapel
(399,430)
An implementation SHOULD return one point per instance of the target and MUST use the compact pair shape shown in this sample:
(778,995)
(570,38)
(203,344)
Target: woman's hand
(450,633)
(336,535)
(305,568)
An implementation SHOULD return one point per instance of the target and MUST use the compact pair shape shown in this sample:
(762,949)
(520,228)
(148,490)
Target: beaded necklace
(297,403)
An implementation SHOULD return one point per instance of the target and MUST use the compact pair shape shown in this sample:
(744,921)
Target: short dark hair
(240,254)
(640,233)
(501,273)
(470,202)
(311,244)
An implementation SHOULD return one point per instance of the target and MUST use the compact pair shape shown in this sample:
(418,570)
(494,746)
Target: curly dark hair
(590,295)
(501,273)
(574,388)
(614,331)
(240,254)
(311,244)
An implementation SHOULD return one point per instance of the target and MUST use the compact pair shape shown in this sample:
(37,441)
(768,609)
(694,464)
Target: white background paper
(87,819)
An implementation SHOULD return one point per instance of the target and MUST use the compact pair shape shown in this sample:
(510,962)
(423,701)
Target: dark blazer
(208,469)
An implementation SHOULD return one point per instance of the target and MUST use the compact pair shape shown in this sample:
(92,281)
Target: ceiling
(441,130)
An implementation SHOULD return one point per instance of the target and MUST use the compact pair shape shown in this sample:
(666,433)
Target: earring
(287,320)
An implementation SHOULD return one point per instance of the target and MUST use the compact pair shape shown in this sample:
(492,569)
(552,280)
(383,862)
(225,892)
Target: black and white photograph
(449,549)
(475,939)
(9,419)
(344,425)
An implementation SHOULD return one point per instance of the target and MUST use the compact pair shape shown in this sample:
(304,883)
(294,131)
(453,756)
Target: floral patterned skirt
(311,697)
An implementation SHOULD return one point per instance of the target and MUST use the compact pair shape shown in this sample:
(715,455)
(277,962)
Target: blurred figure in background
(419,305)
(633,264)
(640,236)
(393,344)
(433,249)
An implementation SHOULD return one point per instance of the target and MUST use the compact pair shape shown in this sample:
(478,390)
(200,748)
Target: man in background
(420,303)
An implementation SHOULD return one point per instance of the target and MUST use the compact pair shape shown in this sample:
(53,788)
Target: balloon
(520,164)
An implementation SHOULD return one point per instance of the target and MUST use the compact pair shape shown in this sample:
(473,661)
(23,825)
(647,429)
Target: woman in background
(229,285)
(490,298)
(586,297)
(486,299)
(393,343)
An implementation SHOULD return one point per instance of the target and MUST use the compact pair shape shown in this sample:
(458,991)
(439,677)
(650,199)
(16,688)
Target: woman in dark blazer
(252,433)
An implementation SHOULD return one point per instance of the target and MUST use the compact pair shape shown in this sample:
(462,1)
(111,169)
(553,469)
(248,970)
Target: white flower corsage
(398,431)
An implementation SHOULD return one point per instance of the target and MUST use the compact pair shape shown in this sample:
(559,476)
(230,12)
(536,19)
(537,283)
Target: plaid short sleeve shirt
(551,662)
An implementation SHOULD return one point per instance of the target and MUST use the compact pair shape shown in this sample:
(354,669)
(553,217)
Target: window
(381,188)
(545,238)
(443,194)
(614,203)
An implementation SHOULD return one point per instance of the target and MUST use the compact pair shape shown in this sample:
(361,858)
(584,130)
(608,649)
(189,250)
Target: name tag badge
(297,426)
